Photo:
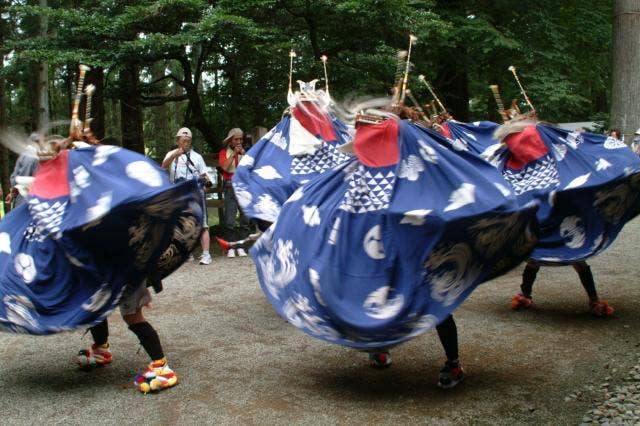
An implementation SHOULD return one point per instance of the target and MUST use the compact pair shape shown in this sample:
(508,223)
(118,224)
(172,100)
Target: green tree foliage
(213,65)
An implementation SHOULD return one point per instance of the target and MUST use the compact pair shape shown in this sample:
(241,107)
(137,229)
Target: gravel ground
(239,363)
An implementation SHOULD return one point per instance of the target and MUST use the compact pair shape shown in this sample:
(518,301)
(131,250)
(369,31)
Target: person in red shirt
(229,158)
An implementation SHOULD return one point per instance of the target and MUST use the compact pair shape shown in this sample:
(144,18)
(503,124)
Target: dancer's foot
(521,301)
(158,376)
(380,359)
(95,356)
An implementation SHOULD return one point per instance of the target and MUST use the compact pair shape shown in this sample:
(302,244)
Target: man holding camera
(184,163)
(229,158)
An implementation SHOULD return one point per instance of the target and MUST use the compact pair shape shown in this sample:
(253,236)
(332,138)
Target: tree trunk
(4,153)
(130,109)
(625,93)
(42,88)
(162,134)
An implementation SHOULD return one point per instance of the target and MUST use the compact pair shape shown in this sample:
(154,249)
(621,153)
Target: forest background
(214,65)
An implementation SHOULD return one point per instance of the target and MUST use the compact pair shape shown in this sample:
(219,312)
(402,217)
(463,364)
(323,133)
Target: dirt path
(240,363)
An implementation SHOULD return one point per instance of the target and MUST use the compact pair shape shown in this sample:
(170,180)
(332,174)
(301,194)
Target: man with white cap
(229,158)
(184,163)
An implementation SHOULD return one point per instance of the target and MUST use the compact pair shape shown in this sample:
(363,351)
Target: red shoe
(450,375)
(94,357)
(520,301)
(158,376)
(380,359)
(600,309)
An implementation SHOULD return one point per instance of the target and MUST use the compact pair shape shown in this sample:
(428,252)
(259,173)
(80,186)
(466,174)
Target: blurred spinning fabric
(587,184)
(387,244)
(96,220)
(301,146)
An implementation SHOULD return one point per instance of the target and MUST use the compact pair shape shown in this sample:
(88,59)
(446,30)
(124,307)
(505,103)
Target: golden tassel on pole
(405,78)
(496,96)
(526,98)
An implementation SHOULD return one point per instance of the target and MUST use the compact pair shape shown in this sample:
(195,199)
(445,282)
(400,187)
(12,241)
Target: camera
(205,181)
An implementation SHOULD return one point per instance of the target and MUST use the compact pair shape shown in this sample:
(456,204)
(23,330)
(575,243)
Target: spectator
(184,163)
(25,166)
(229,158)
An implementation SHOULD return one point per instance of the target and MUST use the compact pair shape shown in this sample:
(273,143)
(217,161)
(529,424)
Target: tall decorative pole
(323,58)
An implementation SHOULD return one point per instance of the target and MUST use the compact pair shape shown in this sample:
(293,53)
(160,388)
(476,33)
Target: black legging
(581,267)
(448,334)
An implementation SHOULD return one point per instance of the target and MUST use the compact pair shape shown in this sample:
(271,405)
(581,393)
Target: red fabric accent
(224,245)
(51,179)
(444,130)
(376,145)
(315,121)
(524,147)
(222,158)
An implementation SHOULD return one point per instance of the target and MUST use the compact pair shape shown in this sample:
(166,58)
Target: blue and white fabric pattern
(96,220)
(587,184)
(269,173)
(387,244)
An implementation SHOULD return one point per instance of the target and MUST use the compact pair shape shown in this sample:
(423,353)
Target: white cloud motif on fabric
(613,143)
(490,154)
(574,139)
(98,299)
(268,173)
(101,208)
(372,243)
(427,153)
(415,217)
(335,232)
(20,311)
(410,168)
(579,181)
(5,243)
(598,243)
(301,314)
(551,259)
(103,152)
(378,305)
(144,172)
(573,232)
(503,189)
(279,269)
(25,266)
(81,177)
(602,164)
(242,194)
(314,279)
(311,215)
(459,145)
(560,151)
(424,323)
(461,197)
(246,161)
(278,140)
(297,194)
(266,208)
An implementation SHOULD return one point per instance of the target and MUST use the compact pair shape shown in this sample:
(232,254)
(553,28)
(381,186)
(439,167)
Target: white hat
(184,132)
(233,132)
(638,132)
